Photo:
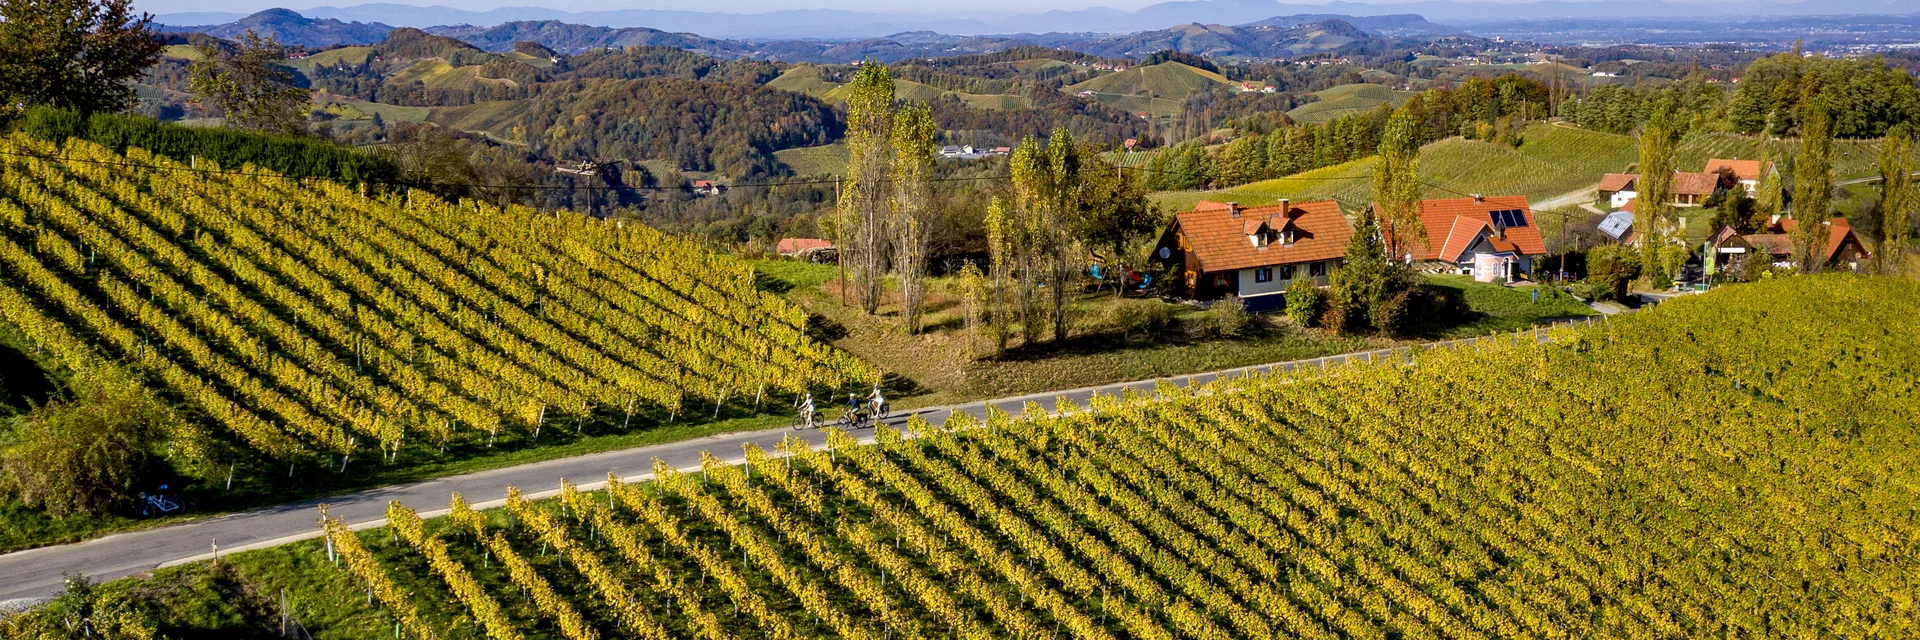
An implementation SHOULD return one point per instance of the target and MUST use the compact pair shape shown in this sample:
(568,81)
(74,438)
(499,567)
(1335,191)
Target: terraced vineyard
(1347,99)
(1741,463)
(300,321)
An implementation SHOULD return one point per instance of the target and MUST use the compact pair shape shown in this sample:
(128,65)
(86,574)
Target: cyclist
(878,402)
(853,411)
(806,411)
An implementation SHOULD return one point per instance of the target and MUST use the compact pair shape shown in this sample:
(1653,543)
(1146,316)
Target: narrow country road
(37,573)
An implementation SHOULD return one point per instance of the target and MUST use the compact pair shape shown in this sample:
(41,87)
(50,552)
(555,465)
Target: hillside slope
(295,326)
(1518,489)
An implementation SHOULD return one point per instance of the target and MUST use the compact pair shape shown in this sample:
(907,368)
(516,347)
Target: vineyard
(1736,464)
(303,322)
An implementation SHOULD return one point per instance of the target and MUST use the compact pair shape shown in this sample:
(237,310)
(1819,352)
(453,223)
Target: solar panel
(1616,224)
(1508,217)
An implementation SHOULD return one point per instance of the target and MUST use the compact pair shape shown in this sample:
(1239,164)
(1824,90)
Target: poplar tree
(1898,197)
(1772,194)
(864,196)
(1396,185)
(1000,236)
(1813,186)
(1655,209)
(1029,168)
(1060,213)
(913,130)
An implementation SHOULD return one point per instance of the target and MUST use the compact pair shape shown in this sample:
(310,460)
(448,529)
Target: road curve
(38,573)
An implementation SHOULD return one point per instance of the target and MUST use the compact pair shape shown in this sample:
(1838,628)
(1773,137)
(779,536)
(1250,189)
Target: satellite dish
(1617,224)
(1165,253)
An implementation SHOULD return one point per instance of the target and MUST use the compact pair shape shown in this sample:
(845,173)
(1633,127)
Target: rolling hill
(1160,89)
(1213,40)
(819,82)
(1345,99)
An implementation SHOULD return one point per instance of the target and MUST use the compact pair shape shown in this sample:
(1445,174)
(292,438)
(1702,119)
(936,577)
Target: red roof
(1684,183)
(1217,234)
(702,184)
(1836,236)
(798,245)
(1617,181)
(1453,224)
(1696,184)
(1742,169)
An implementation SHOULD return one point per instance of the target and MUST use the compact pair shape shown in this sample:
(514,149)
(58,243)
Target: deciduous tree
(73,54)
(913,131)
(1396,185)
(250,86)
(863,199)
(1813,186)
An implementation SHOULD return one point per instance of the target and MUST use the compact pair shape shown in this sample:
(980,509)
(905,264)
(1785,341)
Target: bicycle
(157,504)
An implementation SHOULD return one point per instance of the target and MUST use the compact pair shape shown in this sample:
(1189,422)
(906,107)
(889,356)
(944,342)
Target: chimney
(1286,206)
(1479,199)
(1233,209)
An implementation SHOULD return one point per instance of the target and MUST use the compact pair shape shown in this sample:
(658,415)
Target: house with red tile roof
(1689,189)
(1842,249)
(1492,238)
(1222,248)
(1746,173)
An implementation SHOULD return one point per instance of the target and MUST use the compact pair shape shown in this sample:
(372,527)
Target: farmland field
(1551,161)
(1737,463)
(1347,99)
(829,159)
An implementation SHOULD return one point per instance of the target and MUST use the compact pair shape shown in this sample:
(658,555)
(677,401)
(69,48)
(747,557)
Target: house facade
(1689,189)
(1492,238)
(1842,249)
(1222,248)
(1746,173)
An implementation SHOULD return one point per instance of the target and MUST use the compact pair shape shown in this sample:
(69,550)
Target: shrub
(1393,314)
(1304,302)
(1130,317)
(1610,269)
(1230,315)
(84,455)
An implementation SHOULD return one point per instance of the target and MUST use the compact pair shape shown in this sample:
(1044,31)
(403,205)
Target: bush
(1130,317)
(1610,269)
(1393,314)
(1230,316)
(84,455)
(1304,302)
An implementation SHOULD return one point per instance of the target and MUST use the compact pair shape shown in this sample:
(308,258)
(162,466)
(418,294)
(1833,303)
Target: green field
(495,118)
(1160,89)
(1347,99)
(810,80)
(1552,161)
(356,109)
(829,159)
(1736,464)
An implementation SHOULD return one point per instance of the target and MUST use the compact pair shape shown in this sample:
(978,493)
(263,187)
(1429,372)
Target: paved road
(38,573)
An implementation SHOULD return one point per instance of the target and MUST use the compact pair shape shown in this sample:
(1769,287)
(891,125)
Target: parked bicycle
(158,504)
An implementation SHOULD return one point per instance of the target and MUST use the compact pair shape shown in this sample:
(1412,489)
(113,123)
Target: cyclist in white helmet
(878,402)
(806,411)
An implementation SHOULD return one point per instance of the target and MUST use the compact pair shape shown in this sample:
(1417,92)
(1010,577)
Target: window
(1317,269)
(1263,274)
(1286,272)
(1259,239)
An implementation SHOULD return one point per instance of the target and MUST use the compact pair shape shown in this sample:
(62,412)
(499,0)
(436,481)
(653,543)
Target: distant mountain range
(855,25)
(1273,37)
